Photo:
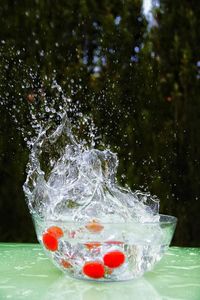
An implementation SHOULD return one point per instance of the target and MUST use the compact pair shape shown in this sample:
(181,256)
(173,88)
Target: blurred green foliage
(139,80)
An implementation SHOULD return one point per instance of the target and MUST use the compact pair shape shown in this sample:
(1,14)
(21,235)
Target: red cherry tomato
(92,245)
(55,231)
(50,242)
(94,269)
(94,227)
(114,259)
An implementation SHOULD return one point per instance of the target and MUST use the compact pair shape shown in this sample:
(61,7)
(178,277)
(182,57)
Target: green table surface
(26,273)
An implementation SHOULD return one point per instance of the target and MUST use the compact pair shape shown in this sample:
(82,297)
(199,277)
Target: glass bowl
(105,251)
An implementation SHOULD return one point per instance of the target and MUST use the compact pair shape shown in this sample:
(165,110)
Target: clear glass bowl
(105,251)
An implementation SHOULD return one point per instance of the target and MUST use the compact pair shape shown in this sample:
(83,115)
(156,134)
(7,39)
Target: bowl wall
(106,251)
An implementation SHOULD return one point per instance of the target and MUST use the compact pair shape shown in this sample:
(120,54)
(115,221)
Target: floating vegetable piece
(31,97)
(66,264)
(92,245)
(117,243)
(94,226)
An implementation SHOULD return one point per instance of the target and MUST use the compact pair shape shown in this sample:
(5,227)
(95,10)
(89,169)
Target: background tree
(176,52)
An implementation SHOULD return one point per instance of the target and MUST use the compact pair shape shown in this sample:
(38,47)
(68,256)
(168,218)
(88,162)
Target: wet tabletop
(26,273)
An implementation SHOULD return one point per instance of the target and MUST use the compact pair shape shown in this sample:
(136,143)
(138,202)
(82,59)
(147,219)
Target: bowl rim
(164,219)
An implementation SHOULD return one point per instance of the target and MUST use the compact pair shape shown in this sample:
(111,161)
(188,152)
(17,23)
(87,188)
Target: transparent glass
(106,251)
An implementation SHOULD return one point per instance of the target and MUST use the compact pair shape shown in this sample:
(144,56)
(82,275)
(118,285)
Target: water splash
(70,179)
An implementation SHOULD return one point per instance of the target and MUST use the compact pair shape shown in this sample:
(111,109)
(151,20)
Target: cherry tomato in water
(114,259)
(55,231)
(50,242)
(94,269)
